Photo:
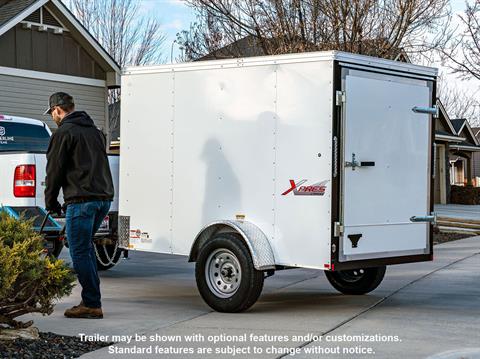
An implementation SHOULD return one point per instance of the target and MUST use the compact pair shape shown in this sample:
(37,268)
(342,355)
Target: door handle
(354,163)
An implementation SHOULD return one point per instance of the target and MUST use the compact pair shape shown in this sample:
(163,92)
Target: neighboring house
(461,154)
(250,46)
(44,49)
(445,136)
(455,146)
(476,158)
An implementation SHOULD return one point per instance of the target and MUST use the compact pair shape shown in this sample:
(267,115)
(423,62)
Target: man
(77,163)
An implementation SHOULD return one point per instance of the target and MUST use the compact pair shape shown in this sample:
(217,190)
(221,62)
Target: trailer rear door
(386,172)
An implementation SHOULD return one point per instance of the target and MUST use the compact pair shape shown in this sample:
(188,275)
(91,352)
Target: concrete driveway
(420,310)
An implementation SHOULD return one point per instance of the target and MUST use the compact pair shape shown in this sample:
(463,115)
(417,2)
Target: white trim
(449,138)
(51,77)
(86,34)
(46,26)
(445,114)
(471,132)
(465,148)
(461,128)
(442,173)
(22,15)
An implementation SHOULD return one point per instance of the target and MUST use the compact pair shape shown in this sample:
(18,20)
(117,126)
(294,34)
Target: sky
(175,16)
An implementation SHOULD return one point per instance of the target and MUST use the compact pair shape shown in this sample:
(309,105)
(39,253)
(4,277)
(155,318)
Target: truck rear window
(23,137)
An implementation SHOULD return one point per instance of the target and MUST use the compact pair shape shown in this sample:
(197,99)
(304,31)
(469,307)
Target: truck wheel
(57,247)
(107,255)
(226,277)
(356,281)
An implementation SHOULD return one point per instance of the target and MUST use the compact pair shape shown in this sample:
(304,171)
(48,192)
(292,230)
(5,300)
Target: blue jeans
(82,222)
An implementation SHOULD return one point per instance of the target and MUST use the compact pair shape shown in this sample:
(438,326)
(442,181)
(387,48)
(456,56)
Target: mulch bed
(442,237)
(49,346)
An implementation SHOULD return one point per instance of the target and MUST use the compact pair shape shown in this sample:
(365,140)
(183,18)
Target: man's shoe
(81,311)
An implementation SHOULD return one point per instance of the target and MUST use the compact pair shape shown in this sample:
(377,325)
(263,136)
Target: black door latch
(354,238)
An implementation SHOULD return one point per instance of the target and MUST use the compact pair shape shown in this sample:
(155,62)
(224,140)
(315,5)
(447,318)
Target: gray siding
(27,97)
(476,164)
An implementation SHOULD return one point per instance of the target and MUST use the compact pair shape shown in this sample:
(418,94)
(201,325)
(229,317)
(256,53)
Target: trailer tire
(101,252)
(356,281)
(235,285)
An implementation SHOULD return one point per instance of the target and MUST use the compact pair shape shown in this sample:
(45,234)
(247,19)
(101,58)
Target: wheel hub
(223,273)
(353,275)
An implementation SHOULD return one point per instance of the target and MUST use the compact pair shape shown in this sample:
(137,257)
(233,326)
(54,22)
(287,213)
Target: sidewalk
(458,211)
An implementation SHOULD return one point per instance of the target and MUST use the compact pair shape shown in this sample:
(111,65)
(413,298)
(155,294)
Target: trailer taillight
(24,181)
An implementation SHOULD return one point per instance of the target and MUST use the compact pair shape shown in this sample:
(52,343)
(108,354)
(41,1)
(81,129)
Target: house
(461,154)
(455,148)
(476,159)
(250,46)
(44,49)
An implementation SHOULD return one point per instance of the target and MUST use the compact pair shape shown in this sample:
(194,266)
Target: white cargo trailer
(319,160)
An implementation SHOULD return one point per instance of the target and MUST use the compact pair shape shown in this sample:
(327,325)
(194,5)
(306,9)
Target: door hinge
(340,98)
(337,229)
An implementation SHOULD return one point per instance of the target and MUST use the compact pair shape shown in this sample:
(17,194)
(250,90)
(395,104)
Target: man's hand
(56,208)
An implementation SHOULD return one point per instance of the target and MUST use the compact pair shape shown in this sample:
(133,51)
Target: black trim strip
(375,69)
(376,262)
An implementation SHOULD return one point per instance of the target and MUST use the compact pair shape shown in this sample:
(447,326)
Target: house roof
(445,117)
(9,9)
(444,133)
(458,124)
(464,127)
(476,132)
(465,146)
(14,11)
(250,46)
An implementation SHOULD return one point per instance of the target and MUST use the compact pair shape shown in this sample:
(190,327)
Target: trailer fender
(256,241)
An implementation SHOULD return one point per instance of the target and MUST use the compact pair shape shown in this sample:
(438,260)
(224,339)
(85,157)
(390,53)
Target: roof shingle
(12,8)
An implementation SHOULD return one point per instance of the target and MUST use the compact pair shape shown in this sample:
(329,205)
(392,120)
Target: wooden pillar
(469,171)
(447,170)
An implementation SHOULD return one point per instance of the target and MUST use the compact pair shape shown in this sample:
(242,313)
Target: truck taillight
(24,181)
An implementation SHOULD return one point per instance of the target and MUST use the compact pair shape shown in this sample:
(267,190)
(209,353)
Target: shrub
(465,195)
(30,282)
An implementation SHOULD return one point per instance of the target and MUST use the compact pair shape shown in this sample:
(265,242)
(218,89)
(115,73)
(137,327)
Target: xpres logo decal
(2,131)
(316,189)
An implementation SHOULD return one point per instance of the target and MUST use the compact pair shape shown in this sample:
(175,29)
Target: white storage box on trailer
(319,160)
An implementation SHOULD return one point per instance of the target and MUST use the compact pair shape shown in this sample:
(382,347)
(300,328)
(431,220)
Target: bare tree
(461,50)
(459,103)
(381,28)
(129,37)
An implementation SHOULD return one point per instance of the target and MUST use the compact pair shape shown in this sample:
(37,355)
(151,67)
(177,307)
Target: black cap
(59,99)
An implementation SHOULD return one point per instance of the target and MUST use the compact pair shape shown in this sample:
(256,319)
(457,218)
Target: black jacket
(77,162)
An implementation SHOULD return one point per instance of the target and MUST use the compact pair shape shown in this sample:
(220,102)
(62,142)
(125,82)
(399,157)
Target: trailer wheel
(107,255)
(356,281)
(226,277)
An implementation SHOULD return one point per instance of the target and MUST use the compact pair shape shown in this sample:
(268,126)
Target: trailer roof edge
(283,59)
